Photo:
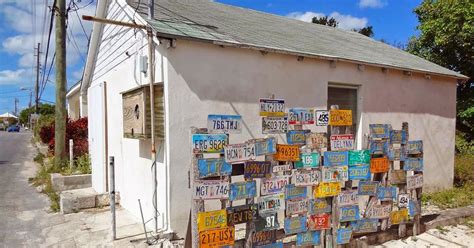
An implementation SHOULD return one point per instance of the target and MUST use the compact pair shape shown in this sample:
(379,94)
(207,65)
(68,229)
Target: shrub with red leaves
(75,130)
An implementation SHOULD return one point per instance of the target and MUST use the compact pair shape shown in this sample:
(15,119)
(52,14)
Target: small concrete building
(213,58)
(73,98)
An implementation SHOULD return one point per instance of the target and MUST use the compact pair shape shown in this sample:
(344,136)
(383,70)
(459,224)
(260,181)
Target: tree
(446,38)
(43,109)
(332,22)
(325,20)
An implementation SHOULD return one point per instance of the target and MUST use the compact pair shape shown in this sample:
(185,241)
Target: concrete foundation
(72,201)
(62,183)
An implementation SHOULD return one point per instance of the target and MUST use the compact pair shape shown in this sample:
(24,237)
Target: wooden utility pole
(60,113)
(37,78)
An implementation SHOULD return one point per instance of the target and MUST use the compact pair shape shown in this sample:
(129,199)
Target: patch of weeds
(469,222)
(451,198)
(442,230)
(83,164)
(53,196)
(464,169)
(39,158)
(43,178)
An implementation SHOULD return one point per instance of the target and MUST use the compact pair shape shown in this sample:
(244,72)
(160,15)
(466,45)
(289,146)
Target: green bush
(463,146)
(43,121)
(83,164)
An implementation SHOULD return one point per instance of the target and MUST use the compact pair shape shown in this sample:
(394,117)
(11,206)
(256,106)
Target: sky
(24,23)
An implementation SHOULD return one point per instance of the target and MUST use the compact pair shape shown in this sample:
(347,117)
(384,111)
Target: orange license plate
(287,153)
(217,237)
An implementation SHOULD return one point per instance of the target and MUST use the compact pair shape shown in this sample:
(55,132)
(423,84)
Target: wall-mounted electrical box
(136,113)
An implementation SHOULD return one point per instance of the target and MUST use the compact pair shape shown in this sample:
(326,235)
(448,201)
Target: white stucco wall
(207,79)
(117,68)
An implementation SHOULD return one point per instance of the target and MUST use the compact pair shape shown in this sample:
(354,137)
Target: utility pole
(37,78)
(16,106)
(31,96)
(60,113)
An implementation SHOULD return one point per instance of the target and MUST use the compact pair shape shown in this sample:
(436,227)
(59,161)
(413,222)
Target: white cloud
(19,16)
(372,3)
(346,22)
(306,16)
(16,77)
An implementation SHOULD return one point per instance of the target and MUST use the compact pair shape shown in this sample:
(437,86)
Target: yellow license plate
(340,117)
(212,220)
(287,153)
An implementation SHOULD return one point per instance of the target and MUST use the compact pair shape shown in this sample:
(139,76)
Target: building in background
(213,58)
(73,98)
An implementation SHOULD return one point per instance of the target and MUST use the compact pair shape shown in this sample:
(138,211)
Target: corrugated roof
(224,24)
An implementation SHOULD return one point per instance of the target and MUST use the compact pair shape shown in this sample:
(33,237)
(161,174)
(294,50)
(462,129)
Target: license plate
(413,164)
(274,245)
(368,188)
(296,207)
(403,200)
(239,152)
(319,205)
(263,237)
(414,207)
(271,203)
(319,222)
(379,165)
(212,167)
(273,185)
(300,116)
(241,214)
(359,172)
(340,117)
(358,157)
(274,125)
(349,213)
(306,177)
(266,222)
(347,198)
(212,220)
(293,192)
(295,225)
(217,237)
(327,190)
(336,158)
(209,143)
(257,169)
(415,147)
(365,226)
(332,174)
(400,216)
(224,124)
(282,167)
(398,137)
(414,182)
(308,160)
(211,190)
(343,236)
(316,140)
(395,154)
(296,137)
(287,153)
(378,146)
(386,193)
(311,238)
(242,190)
(322,117)
(342,142)
(397,177)
(378,212)
(272,107)
(265,146)
(380,131)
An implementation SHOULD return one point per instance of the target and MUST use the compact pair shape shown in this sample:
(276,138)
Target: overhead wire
(43,82)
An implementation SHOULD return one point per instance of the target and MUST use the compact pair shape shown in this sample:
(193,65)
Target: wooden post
(402,231)
(60,112)
(196,205)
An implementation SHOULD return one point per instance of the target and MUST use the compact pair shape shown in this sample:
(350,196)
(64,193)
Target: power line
(79,18)
(47,77)
(47,45)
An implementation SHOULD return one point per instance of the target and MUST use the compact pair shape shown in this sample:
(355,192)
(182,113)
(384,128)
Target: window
(346,98)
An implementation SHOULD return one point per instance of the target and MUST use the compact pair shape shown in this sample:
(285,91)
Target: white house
(73,98)
(213,58)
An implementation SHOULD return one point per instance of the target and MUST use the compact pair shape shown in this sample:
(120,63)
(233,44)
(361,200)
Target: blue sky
(22,25)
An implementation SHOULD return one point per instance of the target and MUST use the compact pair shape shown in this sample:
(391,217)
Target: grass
(469,222)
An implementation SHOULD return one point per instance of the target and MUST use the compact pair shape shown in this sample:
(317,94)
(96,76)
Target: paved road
(25,217)
(22,210)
